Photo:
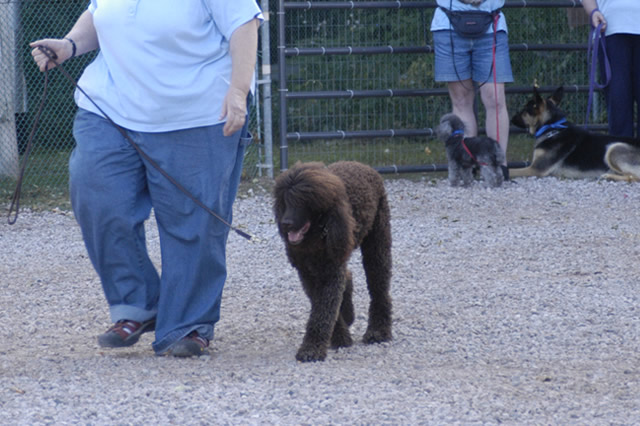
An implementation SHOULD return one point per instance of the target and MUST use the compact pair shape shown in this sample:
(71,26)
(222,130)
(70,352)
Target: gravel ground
(518,305)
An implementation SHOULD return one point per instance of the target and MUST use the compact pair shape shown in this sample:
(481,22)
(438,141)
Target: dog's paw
(341,339)
(377,335)
(311,354)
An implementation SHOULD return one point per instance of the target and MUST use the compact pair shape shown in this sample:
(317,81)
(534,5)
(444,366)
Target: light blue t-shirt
(441,22)
(163,64)
(622,16)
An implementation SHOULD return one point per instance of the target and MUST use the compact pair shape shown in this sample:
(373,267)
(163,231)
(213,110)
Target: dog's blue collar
(557,125)
(457,132)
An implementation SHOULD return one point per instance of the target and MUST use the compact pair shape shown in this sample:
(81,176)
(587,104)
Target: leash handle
(597,42)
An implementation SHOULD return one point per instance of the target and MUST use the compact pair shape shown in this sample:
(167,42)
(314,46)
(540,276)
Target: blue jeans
(112,192)
(623,90)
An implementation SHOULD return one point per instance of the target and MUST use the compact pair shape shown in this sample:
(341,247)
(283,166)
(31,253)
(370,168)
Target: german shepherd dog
(566,150)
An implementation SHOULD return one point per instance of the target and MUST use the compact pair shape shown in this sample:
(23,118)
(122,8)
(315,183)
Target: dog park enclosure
(337,80)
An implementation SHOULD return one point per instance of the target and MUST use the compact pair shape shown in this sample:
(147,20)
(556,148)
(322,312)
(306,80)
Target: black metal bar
(434,168)
(542,4)
(398,93)
(358,134)
(387,50)
(568,88)
(361,94)
(376,50)
(391,133)
(308,5)
(412,169)
(525,47)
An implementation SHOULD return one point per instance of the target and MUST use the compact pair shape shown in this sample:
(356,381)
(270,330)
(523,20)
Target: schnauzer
(465,154)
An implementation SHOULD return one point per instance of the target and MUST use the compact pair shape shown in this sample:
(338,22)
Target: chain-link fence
(548,41)
(359,77)
(21,88)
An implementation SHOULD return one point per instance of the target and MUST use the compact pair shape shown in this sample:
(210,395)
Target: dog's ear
(279,205)
(443,130)
(536,96)
(556,98)
(517,120)
(339,230)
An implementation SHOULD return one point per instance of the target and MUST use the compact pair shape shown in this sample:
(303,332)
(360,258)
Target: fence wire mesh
(551,26)
(21,88)
(327,48)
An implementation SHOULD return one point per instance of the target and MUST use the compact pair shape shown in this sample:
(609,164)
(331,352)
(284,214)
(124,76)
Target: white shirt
(441,22)
(163,64)
(623,16)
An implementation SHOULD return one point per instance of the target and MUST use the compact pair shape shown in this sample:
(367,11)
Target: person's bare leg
(462,95)
(491,104)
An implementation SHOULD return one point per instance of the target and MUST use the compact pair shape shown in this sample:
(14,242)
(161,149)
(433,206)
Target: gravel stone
(516,305)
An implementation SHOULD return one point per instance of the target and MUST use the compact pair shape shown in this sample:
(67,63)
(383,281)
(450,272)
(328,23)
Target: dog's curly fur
(323,214)
(487,154)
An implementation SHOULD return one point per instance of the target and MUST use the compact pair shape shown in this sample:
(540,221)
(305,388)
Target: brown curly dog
(323,215)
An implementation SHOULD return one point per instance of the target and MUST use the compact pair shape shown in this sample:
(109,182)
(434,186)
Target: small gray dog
(463,154)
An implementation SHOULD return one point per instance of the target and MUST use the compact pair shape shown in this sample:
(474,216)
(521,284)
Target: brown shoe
(125,333)
(191,345)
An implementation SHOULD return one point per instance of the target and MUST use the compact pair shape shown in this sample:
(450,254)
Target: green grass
(389,152)
(45,185)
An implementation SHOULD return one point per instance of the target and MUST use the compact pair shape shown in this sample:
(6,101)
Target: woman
(461,60)
(619,19)
(175,76)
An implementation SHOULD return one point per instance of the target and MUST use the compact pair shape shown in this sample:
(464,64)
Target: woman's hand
(597,18)
(234,109)
(62,48)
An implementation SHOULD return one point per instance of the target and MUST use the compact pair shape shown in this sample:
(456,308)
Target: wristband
(73,47)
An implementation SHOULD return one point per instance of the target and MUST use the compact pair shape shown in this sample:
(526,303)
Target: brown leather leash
(15,200)
(16,196)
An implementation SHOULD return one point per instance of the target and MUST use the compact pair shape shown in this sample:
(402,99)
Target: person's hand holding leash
(595,16)
(62,48)
(598,18)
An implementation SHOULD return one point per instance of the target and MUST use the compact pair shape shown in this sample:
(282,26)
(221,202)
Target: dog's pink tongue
(295,236)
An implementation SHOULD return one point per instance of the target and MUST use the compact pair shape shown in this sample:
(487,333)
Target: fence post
(266,90)
(282,84)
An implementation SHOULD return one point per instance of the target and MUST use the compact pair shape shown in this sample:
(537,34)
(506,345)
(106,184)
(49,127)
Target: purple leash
(596,41)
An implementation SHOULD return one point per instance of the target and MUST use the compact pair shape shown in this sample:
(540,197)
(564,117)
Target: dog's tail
(624,159)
